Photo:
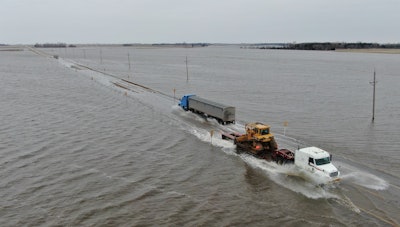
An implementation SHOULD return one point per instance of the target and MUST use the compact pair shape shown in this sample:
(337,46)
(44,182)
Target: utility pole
(373,83)
(101,57)
(129,61)
(187,71)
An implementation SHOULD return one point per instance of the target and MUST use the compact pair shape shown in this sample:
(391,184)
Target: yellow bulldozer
(258,139)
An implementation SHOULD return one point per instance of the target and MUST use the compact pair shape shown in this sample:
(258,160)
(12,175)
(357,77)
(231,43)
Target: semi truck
(260,142)
(222,113)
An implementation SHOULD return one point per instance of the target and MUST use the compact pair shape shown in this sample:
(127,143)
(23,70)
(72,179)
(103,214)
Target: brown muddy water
(79,149)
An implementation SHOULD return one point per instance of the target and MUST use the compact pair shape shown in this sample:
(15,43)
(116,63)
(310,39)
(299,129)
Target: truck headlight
(334,174)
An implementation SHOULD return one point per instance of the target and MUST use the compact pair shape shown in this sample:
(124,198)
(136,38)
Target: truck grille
(333,174)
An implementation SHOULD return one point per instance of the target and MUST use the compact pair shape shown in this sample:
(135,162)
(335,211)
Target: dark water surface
(77,150)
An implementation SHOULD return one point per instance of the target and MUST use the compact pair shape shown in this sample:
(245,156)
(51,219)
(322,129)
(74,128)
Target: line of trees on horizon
(290,46)
(334,46)
(53,45)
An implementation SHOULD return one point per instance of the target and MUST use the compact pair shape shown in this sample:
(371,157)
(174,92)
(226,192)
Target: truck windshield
(322,161)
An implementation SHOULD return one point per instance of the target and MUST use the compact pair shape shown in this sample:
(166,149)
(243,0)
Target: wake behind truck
(222,113)
(259,142)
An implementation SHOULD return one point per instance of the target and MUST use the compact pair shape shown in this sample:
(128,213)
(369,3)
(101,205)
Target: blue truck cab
(185,101)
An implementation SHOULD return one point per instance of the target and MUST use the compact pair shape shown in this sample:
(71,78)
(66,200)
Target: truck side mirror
(330,157)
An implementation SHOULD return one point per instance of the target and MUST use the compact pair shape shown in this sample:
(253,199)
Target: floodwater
(81,147)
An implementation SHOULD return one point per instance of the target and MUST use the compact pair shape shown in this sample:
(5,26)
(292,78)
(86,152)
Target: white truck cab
(316,161)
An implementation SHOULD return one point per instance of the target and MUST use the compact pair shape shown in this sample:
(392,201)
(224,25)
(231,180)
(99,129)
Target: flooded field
(81,147)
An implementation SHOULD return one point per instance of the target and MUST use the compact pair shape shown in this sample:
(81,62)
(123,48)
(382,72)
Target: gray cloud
(232,21)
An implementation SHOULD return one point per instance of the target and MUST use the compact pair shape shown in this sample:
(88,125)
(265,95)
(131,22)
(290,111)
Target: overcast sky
(213,21)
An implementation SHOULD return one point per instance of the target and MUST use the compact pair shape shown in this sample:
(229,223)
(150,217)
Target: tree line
(53,45)
(334,46)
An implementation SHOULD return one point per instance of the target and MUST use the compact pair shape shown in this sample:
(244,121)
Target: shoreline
(371,51)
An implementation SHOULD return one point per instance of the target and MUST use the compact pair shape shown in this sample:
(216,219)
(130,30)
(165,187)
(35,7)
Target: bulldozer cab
(259,131)
(257,128)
